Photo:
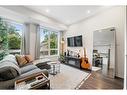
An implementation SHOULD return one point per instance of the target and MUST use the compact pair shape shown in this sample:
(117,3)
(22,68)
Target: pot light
(88,11)
(47,10)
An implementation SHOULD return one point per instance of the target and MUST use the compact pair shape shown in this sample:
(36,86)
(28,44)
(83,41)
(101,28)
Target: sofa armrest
(8,73)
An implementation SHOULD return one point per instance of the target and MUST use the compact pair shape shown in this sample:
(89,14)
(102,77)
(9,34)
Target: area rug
(68,78)
(95,68)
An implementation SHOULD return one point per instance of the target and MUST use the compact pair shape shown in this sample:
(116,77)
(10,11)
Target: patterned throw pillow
(21,60)
(29,58)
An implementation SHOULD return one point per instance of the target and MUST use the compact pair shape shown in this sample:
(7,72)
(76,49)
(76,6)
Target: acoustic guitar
(84,61)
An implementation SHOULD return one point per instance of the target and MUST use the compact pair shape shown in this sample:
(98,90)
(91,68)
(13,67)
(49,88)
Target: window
(14,37)
(10,37)
(48,42)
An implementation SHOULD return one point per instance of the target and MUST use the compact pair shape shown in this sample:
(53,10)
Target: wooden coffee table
(34,81)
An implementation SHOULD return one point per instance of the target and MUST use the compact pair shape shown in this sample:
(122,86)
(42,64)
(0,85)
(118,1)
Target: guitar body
(84,62)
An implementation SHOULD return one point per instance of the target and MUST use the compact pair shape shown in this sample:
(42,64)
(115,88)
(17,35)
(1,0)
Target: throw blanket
(9,63)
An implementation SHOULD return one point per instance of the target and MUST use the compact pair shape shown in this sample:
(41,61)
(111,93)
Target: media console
(73,61)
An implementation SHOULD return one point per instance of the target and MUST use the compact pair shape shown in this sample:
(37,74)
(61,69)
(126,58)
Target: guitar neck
(84,53)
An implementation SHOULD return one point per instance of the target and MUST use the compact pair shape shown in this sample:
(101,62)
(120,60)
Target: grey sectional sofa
(10,71)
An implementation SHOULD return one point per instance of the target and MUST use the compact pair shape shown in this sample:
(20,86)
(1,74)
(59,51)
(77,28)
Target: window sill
(41,57)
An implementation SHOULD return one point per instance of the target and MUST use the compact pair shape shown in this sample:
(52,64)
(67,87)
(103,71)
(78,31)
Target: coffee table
(34,81)
(55,67)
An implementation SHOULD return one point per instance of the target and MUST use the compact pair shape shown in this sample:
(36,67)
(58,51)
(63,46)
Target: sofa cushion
(9,84)
(9,64)
(29,58)
(30,72)
(8,70)
(34,71)
(11,58)
(7,73)
(21,60)
(27,64)
(27,68)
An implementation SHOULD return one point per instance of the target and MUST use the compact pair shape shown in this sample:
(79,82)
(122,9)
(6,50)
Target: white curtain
(25,39)
(37,45)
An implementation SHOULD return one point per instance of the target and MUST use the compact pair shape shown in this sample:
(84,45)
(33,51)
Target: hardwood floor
(99,81)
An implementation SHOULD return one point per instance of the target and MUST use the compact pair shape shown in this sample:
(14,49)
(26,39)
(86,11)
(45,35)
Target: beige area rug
(95,68)
(68,78)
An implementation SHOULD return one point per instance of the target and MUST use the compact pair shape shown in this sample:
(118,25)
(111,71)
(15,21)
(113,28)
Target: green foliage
(2,54)
(53,40)
(3,39)
(62,58)
(9,38)
(14,41)
(13,31)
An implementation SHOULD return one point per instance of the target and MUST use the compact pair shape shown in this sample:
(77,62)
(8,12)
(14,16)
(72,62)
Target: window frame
(12,22)
(49,49)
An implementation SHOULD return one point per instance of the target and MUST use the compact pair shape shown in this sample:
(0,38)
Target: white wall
(114,17)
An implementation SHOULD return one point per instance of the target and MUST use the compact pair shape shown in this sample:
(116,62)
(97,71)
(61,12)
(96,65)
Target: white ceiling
(67,14)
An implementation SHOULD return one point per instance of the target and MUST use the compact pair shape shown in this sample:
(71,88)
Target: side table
(55,67)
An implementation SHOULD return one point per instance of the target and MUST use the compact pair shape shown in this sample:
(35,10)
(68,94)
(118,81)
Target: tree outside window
(10,37)
(48,42)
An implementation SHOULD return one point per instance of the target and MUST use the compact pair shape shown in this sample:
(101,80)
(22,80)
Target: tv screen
(70,41)
(74,41)
(78,41)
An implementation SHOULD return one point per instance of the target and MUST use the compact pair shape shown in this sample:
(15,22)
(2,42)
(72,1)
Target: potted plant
(62,58)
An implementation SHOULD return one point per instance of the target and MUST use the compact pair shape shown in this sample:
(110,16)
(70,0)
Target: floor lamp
(62,46)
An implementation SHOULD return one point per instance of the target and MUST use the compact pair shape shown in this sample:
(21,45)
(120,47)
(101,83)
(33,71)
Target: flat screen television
(70,41)
(75,41)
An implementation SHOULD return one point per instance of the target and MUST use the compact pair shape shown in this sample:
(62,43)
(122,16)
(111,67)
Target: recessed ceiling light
(47,10)
(88,11)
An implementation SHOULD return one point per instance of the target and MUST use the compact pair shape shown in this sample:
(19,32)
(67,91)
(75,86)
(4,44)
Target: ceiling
(67,14)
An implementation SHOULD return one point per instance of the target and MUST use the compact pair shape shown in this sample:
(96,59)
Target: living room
(49,33)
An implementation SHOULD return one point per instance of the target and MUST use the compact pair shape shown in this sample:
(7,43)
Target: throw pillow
(21,60)
(29,58)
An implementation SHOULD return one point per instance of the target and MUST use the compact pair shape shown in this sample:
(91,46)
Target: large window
(48,42)
(14,37)
(10,37)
